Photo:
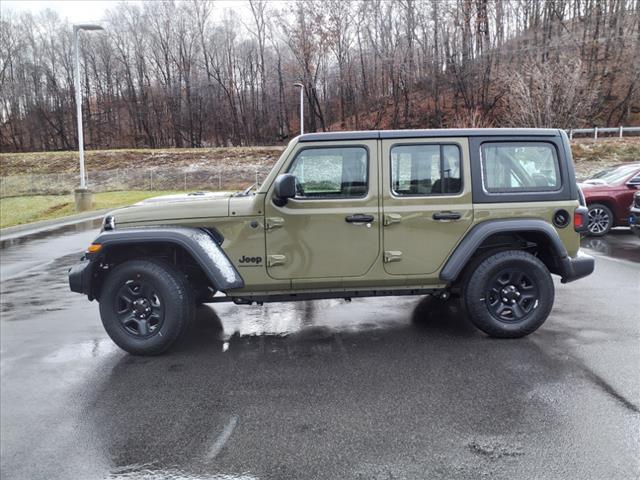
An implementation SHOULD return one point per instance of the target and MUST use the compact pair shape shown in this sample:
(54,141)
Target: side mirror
(632,184)
(284,189)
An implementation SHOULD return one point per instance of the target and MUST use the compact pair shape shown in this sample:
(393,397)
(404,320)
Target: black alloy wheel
(140,308)
(508,294)
(146,305)
(511,295)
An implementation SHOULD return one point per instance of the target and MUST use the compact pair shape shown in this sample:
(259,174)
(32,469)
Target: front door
(427,203)
(331,228)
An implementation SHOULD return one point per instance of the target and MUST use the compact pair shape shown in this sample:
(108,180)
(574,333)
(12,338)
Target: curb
(46,225)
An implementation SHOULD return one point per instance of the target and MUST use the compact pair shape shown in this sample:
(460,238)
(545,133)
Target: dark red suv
(608,194)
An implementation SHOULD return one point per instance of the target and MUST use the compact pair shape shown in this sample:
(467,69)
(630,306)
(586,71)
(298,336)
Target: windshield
(614,174)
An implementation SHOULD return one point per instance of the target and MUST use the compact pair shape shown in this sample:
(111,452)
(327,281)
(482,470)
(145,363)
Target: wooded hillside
(188,74)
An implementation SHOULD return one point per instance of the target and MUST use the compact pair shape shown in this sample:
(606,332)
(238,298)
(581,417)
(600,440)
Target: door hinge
(273,222)
(391,218)
(392,256)
(273,260)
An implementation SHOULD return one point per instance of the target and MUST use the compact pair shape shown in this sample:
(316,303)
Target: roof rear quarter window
(514,167)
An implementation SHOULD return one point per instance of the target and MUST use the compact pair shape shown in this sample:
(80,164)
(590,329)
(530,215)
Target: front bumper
(80,277)
(577,267)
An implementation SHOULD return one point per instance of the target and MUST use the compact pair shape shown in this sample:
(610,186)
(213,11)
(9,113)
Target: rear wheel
(145,306)
(600,219)
(509,295)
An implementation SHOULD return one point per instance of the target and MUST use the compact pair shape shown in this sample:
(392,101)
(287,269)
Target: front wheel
(600,219)
(509,295)
(145,306)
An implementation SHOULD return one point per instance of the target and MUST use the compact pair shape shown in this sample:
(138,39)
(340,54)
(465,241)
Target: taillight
(580,222)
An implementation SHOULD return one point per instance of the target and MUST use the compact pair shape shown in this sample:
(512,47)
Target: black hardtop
(437,133)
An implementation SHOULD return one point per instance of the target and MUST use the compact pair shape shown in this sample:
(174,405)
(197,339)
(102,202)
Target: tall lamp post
(83,196)
(301,87)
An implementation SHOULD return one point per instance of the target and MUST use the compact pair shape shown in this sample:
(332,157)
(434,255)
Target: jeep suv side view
(486,215)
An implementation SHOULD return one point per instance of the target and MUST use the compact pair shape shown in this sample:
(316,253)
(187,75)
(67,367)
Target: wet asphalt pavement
(382,388)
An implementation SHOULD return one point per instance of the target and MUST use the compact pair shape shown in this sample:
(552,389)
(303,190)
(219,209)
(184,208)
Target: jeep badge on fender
(484,216)
(245,259)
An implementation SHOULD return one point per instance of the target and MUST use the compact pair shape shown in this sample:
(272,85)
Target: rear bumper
(80,277)
(577,267)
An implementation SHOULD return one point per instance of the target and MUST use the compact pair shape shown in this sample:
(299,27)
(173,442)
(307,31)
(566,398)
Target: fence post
(595,133)
(571,134)
(219,181)
(185,181)
(621,127)
(150,179)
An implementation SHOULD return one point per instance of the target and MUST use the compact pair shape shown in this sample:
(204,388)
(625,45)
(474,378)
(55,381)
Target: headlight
(109,223)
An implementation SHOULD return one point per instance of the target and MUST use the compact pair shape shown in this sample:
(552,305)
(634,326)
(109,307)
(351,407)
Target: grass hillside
(98,160)
(589,156)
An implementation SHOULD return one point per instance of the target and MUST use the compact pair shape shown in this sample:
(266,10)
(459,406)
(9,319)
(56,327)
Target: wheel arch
(191,248)
(493,235)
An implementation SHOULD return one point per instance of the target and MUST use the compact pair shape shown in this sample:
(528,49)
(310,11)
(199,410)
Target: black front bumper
(80,276)
(577,267)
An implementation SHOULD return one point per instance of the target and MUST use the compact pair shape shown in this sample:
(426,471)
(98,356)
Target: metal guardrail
(619,131)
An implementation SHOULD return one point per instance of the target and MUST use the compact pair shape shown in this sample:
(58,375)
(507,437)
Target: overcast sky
(79,11)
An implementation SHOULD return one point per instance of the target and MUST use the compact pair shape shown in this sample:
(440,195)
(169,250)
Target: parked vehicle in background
(608,195)
(484,214)
(634,214)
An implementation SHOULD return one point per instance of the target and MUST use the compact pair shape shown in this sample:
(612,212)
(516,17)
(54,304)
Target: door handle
(359,218)
(446,216)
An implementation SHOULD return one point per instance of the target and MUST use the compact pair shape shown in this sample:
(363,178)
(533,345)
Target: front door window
(338,172)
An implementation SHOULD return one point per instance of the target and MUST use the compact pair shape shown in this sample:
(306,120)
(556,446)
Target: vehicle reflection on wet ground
(376,388)
(619,243)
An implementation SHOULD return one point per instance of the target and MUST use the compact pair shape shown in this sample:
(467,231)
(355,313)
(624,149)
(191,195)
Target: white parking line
(223,438)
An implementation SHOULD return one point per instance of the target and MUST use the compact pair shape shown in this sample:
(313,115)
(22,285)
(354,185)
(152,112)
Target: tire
(600,219)
(517,277)
(145,306)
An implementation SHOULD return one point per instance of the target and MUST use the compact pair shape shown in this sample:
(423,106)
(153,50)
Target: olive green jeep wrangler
(481,214)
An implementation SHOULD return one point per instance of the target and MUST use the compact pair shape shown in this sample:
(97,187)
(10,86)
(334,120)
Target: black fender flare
(480,232)
(197,242)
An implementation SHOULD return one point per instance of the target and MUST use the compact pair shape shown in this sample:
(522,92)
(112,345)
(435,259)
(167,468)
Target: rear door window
(425,169)
(514,167)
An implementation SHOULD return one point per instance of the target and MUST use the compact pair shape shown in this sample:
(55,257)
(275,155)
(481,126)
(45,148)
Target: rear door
(427,204)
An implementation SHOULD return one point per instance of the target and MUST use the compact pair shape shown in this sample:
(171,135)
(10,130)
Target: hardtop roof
(449,132)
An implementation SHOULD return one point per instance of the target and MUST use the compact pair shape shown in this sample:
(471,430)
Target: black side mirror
(284,189)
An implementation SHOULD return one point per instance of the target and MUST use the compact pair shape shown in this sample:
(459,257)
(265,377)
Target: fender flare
(479,233)
(197,242)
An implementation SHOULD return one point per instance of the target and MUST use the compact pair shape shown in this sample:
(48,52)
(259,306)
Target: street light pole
(76,34)
(299,85)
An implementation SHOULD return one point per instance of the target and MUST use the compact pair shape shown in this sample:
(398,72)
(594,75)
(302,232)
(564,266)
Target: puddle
(149,472)
(619,243)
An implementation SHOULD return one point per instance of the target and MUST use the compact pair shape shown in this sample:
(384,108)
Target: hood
(185,197)
(594,186)
(593,181)
(174,208)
